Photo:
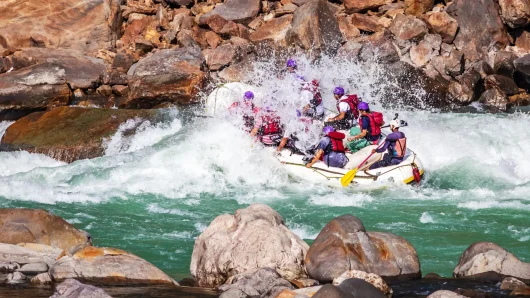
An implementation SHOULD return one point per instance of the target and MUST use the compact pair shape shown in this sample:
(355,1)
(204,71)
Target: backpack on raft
(352,100)
(376,121)
(336,144)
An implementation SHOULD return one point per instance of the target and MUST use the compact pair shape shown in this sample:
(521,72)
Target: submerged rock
(108,266)
(343,244)
(38,226)
(72,288)
(254,237)
(69,133)
(371,278)
(263,282)
(482,257)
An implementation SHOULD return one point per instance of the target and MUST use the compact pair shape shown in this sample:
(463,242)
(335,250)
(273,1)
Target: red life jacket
(271,125)
(376,120)
(400,148)
(314,88)
(352,100)
(247,109)
(336,144)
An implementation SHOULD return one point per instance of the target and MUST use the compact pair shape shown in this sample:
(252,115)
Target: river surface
(154,192)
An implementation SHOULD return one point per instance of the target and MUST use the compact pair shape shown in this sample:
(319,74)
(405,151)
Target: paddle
(348,177)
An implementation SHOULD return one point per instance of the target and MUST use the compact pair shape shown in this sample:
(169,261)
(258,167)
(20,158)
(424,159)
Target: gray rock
(34,268)
(371,278)
(42,278)
(483,68)
(314,27)
(254,237)
(360,288)
(445,294)
(72,288)
(330,291)
(263,282)
(220,56)
(483,257)
(511,283)
(242,11)
(24,255)
(15,277)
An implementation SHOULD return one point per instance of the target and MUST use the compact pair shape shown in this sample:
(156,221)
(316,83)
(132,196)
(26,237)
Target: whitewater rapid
(155,191)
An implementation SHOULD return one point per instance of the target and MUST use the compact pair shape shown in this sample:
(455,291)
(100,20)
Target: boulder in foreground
(482,257)
(254,237)
(72,288)
(38,226)
(70,133)
(343,245)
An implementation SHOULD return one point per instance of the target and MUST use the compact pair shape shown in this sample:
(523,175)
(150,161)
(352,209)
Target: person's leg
(385,162)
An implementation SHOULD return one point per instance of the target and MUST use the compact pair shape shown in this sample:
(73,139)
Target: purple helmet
(363,106)
(328,129)
(248,95)
(338,91)
(291,63)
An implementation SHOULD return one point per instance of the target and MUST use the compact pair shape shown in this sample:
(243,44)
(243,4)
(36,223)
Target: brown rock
(366,22)
(481,28)
(123,61)
(443,24)
(108,265)
(512,284)
(353,6)
(483,68)
(137,30)
(69,134)
(212,39)
(255,237)
(522,71)
(237,72)
(520,100)
(256,23)
(114,77)
(418,7)
(273,31)
(230,29)
(105,90)
(467,89)
(74,24)
(38,226)
(314,27)
(421,54)
(120,90)
(445,294)
(182,21)
(220,57)
(371,278)
(503,83)
(143,45)
(343,244)
(242,11)
(166,76)
(348,30)
(522,40)
(503,63)
(492,98)
(483,257)
(408,27)
(33,88)
(215,22)
(515,13)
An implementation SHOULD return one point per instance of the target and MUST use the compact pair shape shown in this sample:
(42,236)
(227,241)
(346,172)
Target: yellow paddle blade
(348,177)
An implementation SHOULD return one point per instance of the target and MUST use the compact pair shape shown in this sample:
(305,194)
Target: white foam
(200,227)
(426,218)
(154,208)
(178,235)
(303,231)
(341,199)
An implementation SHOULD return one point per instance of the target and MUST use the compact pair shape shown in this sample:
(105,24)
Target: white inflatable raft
(223,96)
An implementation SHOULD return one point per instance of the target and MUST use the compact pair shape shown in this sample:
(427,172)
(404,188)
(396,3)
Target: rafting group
(335,154)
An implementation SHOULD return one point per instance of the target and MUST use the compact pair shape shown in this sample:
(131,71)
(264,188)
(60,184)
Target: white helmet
(394,123)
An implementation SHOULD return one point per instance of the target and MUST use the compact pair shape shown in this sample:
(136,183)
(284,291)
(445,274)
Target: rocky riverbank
(249,254)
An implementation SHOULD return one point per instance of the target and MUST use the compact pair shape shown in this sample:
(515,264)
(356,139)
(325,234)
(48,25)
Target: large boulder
(467,89)
(167,76)
(28,254)
(80,71)
(353,6)
(38,226)
(503,63)
(522,72)
(254,237)
(343,245)
(503,83)
(315,28)
(33,88)
(71,133)
(262,282)
(515,13)
(481,27)
(242,11)
(482,257)
(494,98)
(85,25)
(220,57)
(72,288)
(107,266)
(273,31)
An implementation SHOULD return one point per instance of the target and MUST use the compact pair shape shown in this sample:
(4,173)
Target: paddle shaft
(362,163)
